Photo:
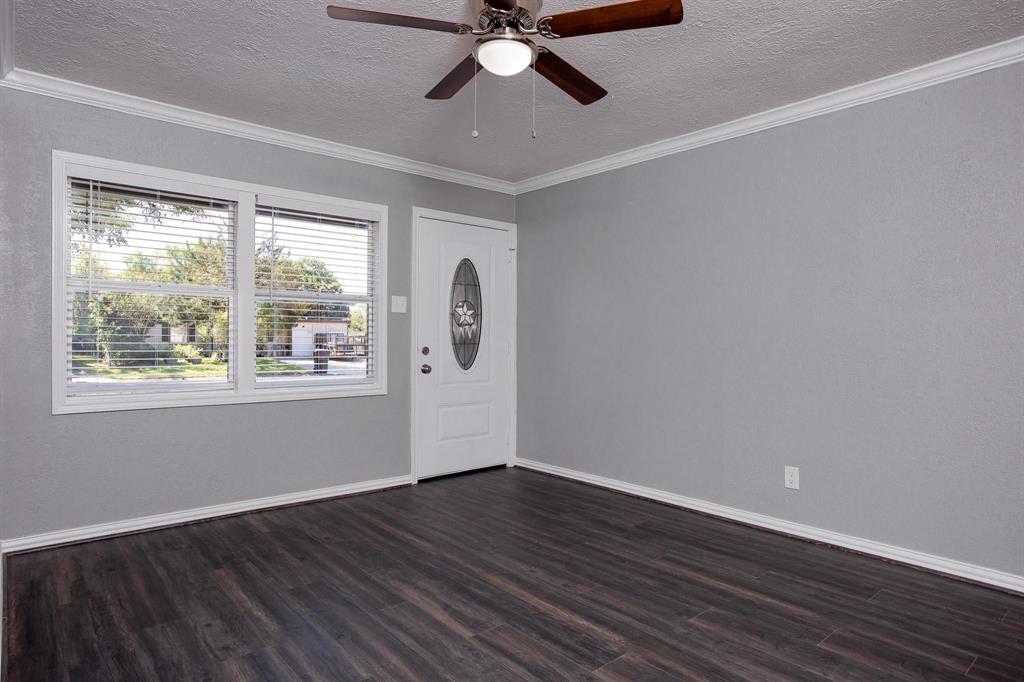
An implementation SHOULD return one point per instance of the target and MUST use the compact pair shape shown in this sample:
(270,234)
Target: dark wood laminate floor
(505,574)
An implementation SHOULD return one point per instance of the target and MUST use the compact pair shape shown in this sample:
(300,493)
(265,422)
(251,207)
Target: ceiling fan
(505,49)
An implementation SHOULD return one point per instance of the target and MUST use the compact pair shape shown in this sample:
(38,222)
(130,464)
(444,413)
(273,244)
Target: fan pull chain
(476,71)
(533,128)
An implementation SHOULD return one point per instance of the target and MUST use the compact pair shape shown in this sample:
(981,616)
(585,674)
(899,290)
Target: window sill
(100,403)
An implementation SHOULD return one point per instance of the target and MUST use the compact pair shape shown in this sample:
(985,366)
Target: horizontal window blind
(176,289)
(314,297)
(150,289)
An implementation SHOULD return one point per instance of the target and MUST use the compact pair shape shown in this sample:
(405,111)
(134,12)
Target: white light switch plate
(398,304)
(793,478)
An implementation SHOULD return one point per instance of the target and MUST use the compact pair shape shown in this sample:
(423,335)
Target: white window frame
(243,388)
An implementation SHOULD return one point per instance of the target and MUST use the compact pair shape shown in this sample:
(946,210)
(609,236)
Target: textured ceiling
(284,64)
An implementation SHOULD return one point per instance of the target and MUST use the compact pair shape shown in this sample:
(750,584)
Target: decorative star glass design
(466,313)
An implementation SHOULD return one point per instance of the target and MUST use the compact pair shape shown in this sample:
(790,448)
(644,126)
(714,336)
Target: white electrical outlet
(793,478)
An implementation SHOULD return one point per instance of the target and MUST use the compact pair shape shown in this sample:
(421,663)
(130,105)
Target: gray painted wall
(844,294)
(59,472)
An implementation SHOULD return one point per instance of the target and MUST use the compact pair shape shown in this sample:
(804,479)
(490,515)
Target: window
(172,289)
(139,261)
(314,295)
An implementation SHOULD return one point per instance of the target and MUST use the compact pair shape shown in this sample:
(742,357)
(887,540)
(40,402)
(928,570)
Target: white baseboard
(101,530)
(980,574)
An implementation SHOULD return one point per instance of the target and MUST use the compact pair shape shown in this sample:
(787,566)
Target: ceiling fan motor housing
(531,6)
(519,18)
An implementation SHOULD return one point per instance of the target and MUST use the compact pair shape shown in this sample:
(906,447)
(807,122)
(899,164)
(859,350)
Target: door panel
(464,421)
(462,416)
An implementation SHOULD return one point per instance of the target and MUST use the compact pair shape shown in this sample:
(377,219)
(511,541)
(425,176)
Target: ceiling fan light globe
(504,57)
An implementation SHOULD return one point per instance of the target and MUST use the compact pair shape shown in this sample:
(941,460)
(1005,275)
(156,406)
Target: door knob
(425,368)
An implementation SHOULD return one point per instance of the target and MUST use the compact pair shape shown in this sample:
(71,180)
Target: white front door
(463,336)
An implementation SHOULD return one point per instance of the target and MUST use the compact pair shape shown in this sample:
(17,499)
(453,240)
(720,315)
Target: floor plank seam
(605,665)
(710,608)
(487,630)
(826,637)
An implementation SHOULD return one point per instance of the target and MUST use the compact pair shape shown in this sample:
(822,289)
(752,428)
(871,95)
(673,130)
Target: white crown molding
(6,37)
(980,574)
(958,66)
(102,530)
(41,84)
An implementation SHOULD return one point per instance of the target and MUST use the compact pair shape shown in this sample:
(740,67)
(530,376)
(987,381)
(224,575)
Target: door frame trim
(418,214)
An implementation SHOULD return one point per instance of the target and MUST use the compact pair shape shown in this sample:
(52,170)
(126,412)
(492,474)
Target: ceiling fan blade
(456,78)
(371,17)
(621,17)
(568,77)
(506,5)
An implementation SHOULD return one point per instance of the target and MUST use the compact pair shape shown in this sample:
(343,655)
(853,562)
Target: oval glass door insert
(467,313)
